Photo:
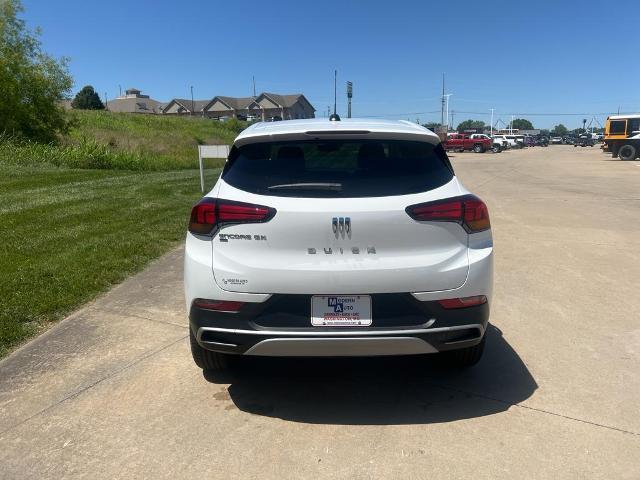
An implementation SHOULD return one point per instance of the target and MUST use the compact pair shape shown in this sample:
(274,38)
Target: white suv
(338,238)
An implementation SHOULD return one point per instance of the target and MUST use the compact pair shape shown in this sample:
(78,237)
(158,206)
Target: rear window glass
(338,168)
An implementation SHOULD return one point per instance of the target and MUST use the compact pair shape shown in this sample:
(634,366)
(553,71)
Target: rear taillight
(218,305)
(468,210)
(463,302)
(208,215)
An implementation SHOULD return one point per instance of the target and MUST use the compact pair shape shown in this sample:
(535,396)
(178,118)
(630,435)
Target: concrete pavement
(111,392)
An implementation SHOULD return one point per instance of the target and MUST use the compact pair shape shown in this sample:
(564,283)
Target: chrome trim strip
(341,333)
(219,344)
(340,347)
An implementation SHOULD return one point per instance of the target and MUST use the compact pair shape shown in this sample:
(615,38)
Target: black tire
(478,148)
(206,359)
(495,148)
(627,152)
(466,357)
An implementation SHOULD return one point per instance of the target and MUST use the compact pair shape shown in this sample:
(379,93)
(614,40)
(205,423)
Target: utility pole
(442,107)
(511,126)
(120,89)
(328,110)
(192,103)
(452,123)
(491,126)
(254,86)
(349,96)
(106,101)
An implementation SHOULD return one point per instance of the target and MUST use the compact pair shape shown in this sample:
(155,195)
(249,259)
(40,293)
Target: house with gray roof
(183,106)
(228,107)
(266,106)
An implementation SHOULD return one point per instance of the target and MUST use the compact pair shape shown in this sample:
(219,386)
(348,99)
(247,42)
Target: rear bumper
(282,327)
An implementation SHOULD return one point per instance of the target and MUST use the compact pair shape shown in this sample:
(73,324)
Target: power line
(540,114)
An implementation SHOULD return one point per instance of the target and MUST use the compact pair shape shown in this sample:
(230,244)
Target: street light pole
(447,108)
(491,126)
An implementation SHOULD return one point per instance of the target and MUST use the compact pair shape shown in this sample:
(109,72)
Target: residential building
(182,106)
(265,107)
(133,101)
(229,107)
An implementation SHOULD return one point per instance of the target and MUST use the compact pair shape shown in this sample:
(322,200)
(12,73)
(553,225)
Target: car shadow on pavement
(379,391)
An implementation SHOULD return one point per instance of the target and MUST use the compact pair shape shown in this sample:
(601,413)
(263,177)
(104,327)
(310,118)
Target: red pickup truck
(461,142)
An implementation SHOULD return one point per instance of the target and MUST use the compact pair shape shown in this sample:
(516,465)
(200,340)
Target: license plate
(341,311)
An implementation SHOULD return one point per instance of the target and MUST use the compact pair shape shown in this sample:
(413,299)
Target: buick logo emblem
(341,226)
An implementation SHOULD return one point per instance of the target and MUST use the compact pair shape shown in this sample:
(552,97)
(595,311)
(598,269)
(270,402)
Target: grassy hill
(121,141)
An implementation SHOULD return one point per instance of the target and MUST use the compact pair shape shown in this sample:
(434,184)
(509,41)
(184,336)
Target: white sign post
(210,151)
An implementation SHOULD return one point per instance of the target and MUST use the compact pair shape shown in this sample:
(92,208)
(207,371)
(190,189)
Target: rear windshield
(338,168)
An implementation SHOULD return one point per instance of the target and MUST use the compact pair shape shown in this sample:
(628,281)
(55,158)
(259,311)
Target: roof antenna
(335,117)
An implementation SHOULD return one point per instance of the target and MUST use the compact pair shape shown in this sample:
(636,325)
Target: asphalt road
(112,392)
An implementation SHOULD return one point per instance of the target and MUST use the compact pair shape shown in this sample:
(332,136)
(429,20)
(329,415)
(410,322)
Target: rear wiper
(307,186)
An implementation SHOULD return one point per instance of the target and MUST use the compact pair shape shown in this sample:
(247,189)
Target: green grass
(158,141)
(70,234)
(120,141)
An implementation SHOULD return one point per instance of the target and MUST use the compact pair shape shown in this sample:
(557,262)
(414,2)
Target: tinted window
(617,127)
(338,168)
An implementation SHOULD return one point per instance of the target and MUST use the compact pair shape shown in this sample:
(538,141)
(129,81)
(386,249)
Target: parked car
(496,146)
(529,141)
(521,140)
(569,140)
(501,139)
(278,263)
(461,142)
(556,141)
(542,141)
(513,141)
(584,141)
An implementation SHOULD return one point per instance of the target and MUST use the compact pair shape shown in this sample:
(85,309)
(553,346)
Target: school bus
(622,136)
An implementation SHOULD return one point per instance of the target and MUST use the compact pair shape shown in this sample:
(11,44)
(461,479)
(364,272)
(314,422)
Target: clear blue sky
(516,57)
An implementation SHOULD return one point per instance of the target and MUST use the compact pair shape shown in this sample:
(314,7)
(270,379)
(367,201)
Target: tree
(32,83)
(87,99)
(470,124)
(522,124)
(560,130)
(433,126)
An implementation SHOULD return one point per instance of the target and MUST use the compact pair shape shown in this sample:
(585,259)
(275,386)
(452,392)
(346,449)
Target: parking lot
(112,391)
